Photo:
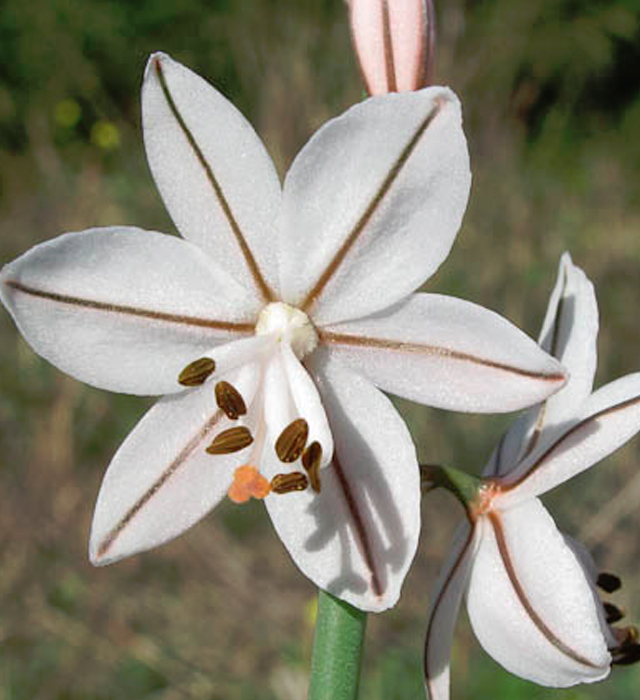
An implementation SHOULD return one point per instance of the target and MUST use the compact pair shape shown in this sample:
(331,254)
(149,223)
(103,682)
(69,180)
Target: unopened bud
(394,41)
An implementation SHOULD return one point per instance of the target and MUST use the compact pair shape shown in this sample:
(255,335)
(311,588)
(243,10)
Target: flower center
(483,504)
(290,325)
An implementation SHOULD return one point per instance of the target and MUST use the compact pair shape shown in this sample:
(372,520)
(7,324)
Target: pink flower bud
(394,41)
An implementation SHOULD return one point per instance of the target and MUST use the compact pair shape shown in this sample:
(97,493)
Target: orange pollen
(248,483)
(483,503)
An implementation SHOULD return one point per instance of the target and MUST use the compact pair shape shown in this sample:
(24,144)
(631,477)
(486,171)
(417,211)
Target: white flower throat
(282,324)
(291,326)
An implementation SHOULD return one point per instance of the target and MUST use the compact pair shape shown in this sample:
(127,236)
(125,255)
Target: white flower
(300,297)
(530,590)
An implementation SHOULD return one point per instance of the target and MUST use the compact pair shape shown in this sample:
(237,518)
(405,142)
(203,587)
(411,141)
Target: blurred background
(551,97)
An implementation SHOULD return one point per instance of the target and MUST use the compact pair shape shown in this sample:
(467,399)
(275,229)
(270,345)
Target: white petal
(530,603)
(231,356)
(443,614)
(289,394)
(448,353)
(569,333)
(583,555)
(123,309)
(608,419)
(161,481)
(357,538)
(373,203)
(505,454)
(308,404)
(213,172)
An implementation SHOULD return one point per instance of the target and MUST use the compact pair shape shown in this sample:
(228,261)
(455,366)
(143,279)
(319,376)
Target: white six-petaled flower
(530,590)
(270,324)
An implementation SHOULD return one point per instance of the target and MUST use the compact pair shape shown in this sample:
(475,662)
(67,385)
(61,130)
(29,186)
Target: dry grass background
(552,102)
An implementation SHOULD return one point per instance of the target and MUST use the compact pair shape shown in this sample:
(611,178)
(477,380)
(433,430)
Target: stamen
(628,650)
(197,372)
(230,400)
(248,483)
(311,458)
(231,440)
(608,582)
(613,613)
(625,636)
(290,445)
(626,656)
(286,483)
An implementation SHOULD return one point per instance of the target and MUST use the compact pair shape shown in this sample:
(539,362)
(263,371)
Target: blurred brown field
(551,97)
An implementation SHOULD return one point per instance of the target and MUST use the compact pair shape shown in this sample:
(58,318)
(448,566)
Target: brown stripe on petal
(501,541)
(230,400)
(437,603)
(250,261)
(292,440)
(426,64)
(166,475)
(311,459)
(230,440)
(197,372)
(430,350)
(359,530)
(131,310)
(287,483)
(561,440)
(387,39)
(353,236)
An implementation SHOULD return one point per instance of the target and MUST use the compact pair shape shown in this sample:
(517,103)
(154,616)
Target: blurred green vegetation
(551,96)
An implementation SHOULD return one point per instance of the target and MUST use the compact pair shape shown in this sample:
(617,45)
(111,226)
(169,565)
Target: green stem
(337,650)
(465,487)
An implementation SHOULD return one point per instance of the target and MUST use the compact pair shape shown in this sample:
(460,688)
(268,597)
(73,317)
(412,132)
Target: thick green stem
(337,650)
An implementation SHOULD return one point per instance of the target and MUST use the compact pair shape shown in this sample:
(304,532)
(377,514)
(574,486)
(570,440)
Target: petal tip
(156,60)
(96,558)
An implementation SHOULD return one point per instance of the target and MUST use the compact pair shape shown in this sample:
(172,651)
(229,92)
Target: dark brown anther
(625,636)
(231,440)
(286,483)
(625,656)
(291,443)
(197,372)
(608,582)
(311,459)
(613,613)
(230,400)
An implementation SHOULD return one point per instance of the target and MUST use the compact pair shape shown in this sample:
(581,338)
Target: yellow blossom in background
(105,135)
